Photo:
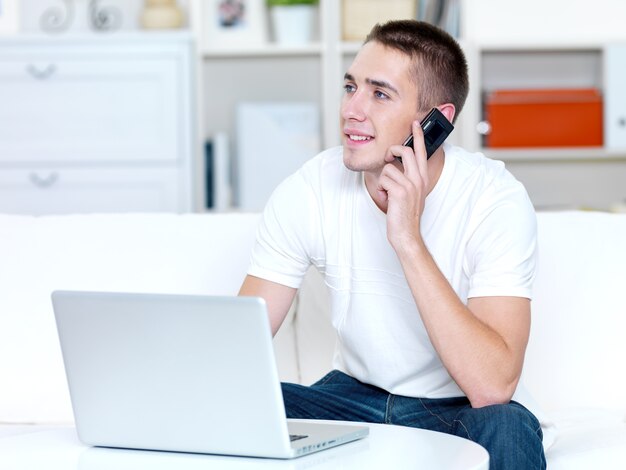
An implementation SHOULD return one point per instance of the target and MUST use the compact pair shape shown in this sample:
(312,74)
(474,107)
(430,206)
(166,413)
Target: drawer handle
(41,74)
(44,181)
(621,122)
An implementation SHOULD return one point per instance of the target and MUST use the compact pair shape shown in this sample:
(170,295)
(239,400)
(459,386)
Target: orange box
(544,118)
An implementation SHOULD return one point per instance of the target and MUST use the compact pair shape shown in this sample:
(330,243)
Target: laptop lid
(171,372)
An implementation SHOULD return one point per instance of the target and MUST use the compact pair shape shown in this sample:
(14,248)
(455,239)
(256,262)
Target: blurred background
(206,105)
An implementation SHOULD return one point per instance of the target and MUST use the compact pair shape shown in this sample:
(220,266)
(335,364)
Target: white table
(396,447)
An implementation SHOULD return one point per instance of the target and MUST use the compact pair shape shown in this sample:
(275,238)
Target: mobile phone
(436,129)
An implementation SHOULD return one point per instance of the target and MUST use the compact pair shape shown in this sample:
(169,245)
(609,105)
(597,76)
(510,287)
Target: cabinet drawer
(90,104)
(41,191)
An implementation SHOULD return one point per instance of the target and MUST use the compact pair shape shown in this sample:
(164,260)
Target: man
(429,262)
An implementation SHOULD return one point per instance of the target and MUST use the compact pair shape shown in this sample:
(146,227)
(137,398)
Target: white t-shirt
(478,224)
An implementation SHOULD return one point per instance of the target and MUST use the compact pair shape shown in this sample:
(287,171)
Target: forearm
(476,356)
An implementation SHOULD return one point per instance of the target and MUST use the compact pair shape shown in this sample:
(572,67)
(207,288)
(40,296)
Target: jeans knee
(508,419)
(510,433)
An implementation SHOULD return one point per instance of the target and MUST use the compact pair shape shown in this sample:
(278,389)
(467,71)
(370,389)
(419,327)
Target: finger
(383,187)
(393,172)
(390,178)
(401,151)
(395,184)
(417,165)
(409,154)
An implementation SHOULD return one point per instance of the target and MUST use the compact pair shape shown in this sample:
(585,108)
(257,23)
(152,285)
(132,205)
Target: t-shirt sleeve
(502,249)
(288,235)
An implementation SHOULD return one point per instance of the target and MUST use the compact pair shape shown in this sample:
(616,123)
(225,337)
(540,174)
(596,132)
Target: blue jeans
(510,433)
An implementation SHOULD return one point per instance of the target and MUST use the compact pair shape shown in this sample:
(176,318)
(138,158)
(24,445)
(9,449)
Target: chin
(351,159)
(360,162)
(350,166)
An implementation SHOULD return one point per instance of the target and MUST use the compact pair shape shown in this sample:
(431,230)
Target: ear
(448,110)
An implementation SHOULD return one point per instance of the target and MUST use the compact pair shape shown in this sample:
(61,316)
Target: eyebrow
(372,81)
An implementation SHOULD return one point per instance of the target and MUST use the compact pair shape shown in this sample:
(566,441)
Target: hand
(405,190)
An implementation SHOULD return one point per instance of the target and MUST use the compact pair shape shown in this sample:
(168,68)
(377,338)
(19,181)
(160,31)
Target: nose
(352,107)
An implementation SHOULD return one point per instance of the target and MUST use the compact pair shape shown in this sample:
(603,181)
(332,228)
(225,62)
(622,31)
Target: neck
(435,167)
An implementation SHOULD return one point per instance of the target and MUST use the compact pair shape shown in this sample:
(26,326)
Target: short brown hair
(440,65)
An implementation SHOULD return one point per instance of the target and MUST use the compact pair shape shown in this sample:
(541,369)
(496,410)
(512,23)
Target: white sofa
(575,359)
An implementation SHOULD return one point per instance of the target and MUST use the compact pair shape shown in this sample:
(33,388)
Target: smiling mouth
(358,138)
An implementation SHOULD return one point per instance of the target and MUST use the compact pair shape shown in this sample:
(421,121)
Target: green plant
(272,3)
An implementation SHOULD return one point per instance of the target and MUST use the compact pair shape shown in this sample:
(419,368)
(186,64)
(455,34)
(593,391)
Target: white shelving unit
(561,43)
(319,63)
(267,72)
(522,44)
(533,65)
(560,57)
(270,72)
(556,177)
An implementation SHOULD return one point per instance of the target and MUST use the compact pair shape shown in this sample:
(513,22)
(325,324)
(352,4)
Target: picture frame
(235,24)
(9,17)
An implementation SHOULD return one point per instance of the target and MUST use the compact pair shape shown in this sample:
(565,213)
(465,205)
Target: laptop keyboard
(296,437)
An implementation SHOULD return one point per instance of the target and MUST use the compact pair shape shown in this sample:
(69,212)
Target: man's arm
(277,297)
(482,345)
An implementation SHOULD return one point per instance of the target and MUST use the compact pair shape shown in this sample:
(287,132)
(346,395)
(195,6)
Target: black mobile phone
(436,129)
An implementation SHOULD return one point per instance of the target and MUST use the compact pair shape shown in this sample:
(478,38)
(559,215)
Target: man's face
(378,107)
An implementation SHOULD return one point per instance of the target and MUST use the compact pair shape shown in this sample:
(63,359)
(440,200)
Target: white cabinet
(615,96)
(96,124)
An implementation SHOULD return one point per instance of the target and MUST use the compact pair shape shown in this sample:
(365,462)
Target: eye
(380,95)
(349,88)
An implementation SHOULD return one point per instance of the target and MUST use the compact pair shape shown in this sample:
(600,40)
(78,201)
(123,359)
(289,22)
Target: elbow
(490,396)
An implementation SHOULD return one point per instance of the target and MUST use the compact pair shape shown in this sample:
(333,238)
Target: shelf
(592,154)
(572,44)
(265,50)
(125,37)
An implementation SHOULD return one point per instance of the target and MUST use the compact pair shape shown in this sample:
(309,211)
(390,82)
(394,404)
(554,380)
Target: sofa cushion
(313,330)
(576,349)
(168,253)
(588,438)
(575,354)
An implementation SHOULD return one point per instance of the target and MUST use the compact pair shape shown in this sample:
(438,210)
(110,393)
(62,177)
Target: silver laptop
(180,373)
